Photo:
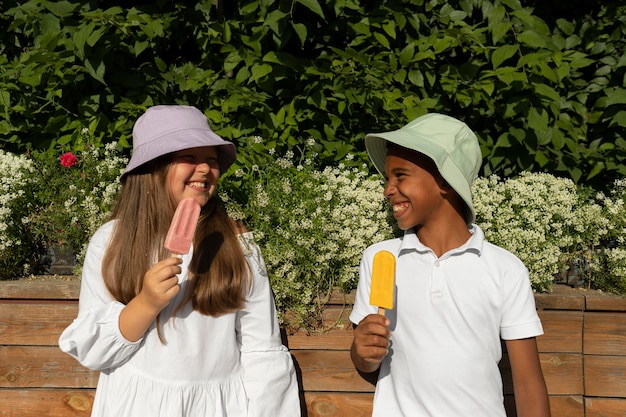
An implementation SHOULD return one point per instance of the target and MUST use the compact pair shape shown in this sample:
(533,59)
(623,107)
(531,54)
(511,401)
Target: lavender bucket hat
(170,128)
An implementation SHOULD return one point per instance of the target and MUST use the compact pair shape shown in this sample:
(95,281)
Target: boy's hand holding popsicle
(371,336)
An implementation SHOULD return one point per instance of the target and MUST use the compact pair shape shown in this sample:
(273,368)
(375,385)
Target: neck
(443,237)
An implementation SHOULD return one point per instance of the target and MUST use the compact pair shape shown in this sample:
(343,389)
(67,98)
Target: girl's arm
(160,285)
(107,333)
(529,387)
(268,370)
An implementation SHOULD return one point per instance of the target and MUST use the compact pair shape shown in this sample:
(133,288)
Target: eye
(213,162)
(184,158)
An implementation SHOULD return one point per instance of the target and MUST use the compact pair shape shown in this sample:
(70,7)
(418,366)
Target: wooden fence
(583,356)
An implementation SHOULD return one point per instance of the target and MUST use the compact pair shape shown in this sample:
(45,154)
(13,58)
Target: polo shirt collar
(410,242)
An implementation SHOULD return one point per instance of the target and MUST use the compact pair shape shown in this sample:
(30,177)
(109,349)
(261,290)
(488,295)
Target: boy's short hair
(450,143)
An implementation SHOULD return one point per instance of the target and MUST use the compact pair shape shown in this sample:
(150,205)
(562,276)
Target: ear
(443,184)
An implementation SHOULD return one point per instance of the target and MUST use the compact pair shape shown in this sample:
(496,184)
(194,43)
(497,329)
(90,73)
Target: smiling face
(414,187)
(194,173)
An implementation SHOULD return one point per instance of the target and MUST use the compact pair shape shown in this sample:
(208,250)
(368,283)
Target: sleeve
(268,369)
(94,338)
(362,307)
(519,319)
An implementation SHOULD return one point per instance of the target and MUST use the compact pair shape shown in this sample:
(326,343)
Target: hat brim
(178,141)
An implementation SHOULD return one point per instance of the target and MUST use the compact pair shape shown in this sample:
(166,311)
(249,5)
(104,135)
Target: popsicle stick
(381,311)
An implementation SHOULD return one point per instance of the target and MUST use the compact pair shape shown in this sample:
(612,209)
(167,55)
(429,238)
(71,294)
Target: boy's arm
(531,395)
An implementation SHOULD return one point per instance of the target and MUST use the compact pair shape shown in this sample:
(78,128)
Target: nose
(389,190)
(207,166)
(203,167)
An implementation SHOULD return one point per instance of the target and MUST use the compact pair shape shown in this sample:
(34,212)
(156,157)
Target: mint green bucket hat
(450,143)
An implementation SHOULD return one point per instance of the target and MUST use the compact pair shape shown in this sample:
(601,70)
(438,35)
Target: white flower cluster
(13,180)
(313,227)
(542,219)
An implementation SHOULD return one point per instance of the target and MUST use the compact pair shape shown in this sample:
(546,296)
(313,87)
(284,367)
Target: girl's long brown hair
(219,273)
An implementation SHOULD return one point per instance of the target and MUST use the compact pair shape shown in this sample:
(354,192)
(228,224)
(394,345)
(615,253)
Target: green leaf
(538,120)
(400,76)
(60,8)
(502,54)
(382,39)
(547,91)
(139,47)
(541,158)
(500,31)
(619,119)
(314,6)
(558,139)
(97,72)
(95,36)
(242,75)
(532,38)
(616,97)
(259,71)
(300,30)
(416,78)
(406,55)
(390,28)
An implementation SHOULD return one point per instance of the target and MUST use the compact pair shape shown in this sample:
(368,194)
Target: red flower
(68,159)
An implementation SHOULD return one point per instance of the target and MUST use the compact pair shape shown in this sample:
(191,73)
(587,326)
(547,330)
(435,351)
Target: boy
(456,295)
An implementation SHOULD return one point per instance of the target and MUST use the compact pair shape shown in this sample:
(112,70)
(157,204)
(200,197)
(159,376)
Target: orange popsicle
(383,281)
(183,227)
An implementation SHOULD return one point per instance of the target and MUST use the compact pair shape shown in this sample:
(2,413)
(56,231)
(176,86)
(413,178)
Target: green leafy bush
(543,92)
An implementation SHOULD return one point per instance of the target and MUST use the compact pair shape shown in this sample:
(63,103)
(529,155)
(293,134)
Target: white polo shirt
(449,316)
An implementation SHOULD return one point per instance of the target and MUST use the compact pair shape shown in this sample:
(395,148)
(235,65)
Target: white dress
(234,365)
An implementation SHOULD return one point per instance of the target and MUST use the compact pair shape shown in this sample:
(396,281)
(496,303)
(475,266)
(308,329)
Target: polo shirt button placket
(435,281)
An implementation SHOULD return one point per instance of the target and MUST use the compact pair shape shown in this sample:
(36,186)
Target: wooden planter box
(583,355)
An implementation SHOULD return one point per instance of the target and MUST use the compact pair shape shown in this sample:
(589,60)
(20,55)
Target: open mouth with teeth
(197,184)
(399,207)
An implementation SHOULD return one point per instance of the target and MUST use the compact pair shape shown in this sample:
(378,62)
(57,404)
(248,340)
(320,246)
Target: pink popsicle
(183,227)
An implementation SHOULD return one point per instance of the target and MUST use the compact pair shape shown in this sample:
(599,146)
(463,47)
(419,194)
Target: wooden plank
(562,372)
(327,370)
(335,339)
(323,404)
(597,301)
(563,331)
(567,406)
(560,406)
(46,403)
(561,298)
(34,323)
(605,334)
(42,367)
(605,407)
(605,376)
(37,288)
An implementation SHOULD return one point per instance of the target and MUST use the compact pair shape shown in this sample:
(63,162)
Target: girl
(207,346)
